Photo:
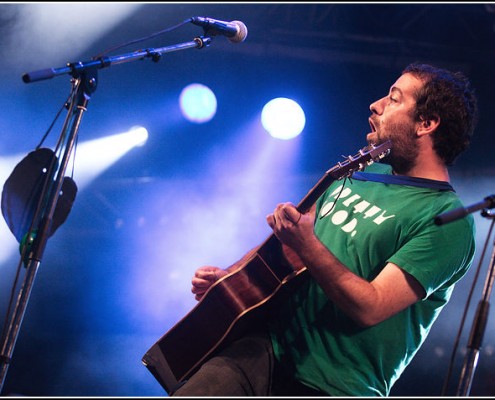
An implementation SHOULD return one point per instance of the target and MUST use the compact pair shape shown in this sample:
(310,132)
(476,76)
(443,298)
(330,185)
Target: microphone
(235,31)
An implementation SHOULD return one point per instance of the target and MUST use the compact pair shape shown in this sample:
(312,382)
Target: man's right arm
(207,275)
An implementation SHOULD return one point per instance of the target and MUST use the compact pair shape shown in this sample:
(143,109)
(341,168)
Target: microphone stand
(84,83)
(481,316)
(479,324)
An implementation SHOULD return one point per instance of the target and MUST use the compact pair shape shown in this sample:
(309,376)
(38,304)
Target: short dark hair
(448,95)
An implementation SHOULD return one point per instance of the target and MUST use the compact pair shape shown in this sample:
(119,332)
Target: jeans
(247,367)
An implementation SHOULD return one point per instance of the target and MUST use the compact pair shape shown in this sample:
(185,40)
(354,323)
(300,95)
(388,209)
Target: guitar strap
(403,180)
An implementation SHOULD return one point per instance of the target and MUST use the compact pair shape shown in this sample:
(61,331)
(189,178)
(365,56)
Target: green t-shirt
(367,224)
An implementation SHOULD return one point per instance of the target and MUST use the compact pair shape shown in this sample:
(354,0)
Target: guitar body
(241,299)
(237,302)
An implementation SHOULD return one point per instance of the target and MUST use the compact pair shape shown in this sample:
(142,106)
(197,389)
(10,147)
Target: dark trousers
(247,367)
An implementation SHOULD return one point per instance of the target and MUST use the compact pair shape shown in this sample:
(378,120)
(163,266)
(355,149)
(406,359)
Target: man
(379,270)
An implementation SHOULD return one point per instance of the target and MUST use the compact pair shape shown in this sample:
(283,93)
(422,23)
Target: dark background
(116,275)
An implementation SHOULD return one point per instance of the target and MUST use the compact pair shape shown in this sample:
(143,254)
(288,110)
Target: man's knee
(218,376)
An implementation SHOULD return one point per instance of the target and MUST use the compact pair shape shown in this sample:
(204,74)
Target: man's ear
(428,125)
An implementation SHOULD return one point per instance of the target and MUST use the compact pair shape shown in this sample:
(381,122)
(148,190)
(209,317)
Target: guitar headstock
(366,156)
(343,169)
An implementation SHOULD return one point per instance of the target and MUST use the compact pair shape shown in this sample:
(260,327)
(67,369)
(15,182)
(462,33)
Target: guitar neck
(312,196)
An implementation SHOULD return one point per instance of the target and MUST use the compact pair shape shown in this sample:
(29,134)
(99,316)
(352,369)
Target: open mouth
(374,136)
(372,125)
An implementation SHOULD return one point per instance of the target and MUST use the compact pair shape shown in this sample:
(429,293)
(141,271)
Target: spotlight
(140,135)
(283,118)
(197,102)
(93,157)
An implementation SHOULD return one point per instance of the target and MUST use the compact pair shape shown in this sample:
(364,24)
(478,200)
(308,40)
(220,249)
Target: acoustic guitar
(244,297)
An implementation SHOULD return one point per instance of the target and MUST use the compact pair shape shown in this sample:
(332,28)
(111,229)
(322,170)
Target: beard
(405,149)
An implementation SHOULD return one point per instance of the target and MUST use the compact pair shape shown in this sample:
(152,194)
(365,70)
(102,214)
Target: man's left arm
(367,303)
